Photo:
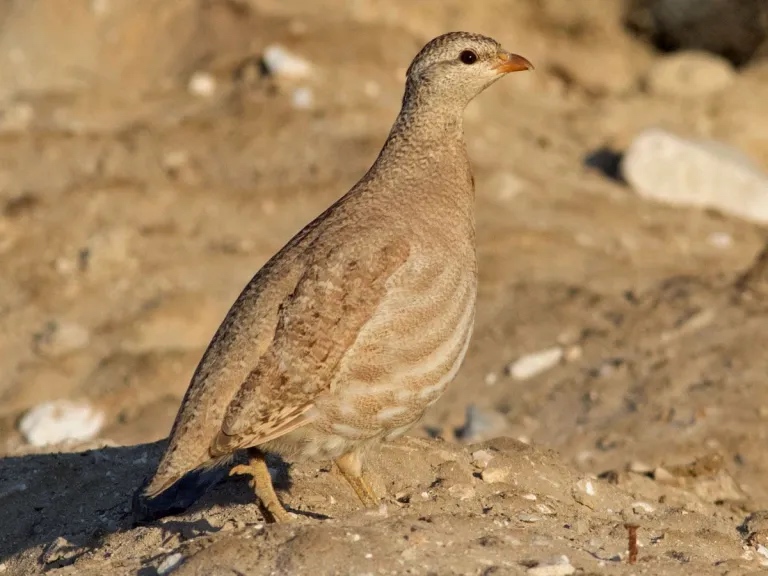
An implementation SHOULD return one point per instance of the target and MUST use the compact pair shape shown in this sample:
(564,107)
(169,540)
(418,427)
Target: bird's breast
(405,356)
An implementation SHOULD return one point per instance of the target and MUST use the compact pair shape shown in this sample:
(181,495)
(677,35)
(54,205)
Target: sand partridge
(353,329)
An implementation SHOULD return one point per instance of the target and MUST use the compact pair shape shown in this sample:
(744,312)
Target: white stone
(664,167)
(534,364)
(170,563)
(202,84)
(282,63)
(303,98)
(720,240)
(642,508)
(690,74)
(60,421)
(586,486)
(559,566)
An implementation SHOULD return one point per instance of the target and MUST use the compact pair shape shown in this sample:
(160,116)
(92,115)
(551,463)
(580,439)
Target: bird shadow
(71,501)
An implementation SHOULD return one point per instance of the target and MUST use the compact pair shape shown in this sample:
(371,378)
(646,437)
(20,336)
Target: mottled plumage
(350,332)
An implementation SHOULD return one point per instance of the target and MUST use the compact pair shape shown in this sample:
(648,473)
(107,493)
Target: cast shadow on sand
(84,496)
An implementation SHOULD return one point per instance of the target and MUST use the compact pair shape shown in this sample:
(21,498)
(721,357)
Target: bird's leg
(351,468)
(261,482)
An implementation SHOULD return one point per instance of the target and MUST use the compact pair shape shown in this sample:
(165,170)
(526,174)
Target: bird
(354,328)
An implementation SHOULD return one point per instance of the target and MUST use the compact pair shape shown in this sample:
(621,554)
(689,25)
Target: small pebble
(583,493)
(720,240)
(559,566)
(534,364)
(202,84)
(280,62)
(642,508)
(573,353)
(494,474)
(662,476)
(462,491)
(546,510)
(170,563)
(303,98)
(531,497)
(529,518)
(59,421)
(491,378)
(481,458)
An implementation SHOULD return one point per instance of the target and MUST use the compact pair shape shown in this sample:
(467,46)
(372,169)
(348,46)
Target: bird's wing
(317,324)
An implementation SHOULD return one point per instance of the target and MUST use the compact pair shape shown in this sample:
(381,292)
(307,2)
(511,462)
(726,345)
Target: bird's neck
(426,157)
(428,123)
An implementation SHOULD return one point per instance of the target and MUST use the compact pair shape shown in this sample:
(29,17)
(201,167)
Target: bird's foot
(261,483)
(350,467)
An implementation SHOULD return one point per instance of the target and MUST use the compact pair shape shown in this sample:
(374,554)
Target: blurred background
(154,154)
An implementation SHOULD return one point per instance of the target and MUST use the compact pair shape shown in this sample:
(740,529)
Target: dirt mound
(496,507)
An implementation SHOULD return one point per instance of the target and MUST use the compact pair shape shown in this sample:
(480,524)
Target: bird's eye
(468,57)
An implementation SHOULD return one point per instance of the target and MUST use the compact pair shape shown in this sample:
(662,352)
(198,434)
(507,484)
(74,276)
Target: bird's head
(460,65)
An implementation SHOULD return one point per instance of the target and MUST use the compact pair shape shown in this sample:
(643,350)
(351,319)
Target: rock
(462,491)
(690,75)
(171,562)
(181,321)
(281,63)
(60,338)
(661,476)
(755,526)
(735,30)
(481,458)
(534,364)
(61,552)
(481,425)
(60,421)
(496,471)
(664,167)
(559,566)
(642,508)
(584,493)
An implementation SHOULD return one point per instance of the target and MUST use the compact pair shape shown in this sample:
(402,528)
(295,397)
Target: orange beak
(511,63)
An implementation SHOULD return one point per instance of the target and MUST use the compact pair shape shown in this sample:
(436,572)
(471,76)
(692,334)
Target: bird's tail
(178,496)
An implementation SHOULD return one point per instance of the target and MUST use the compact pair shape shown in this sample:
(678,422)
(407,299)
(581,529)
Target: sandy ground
(132,212)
